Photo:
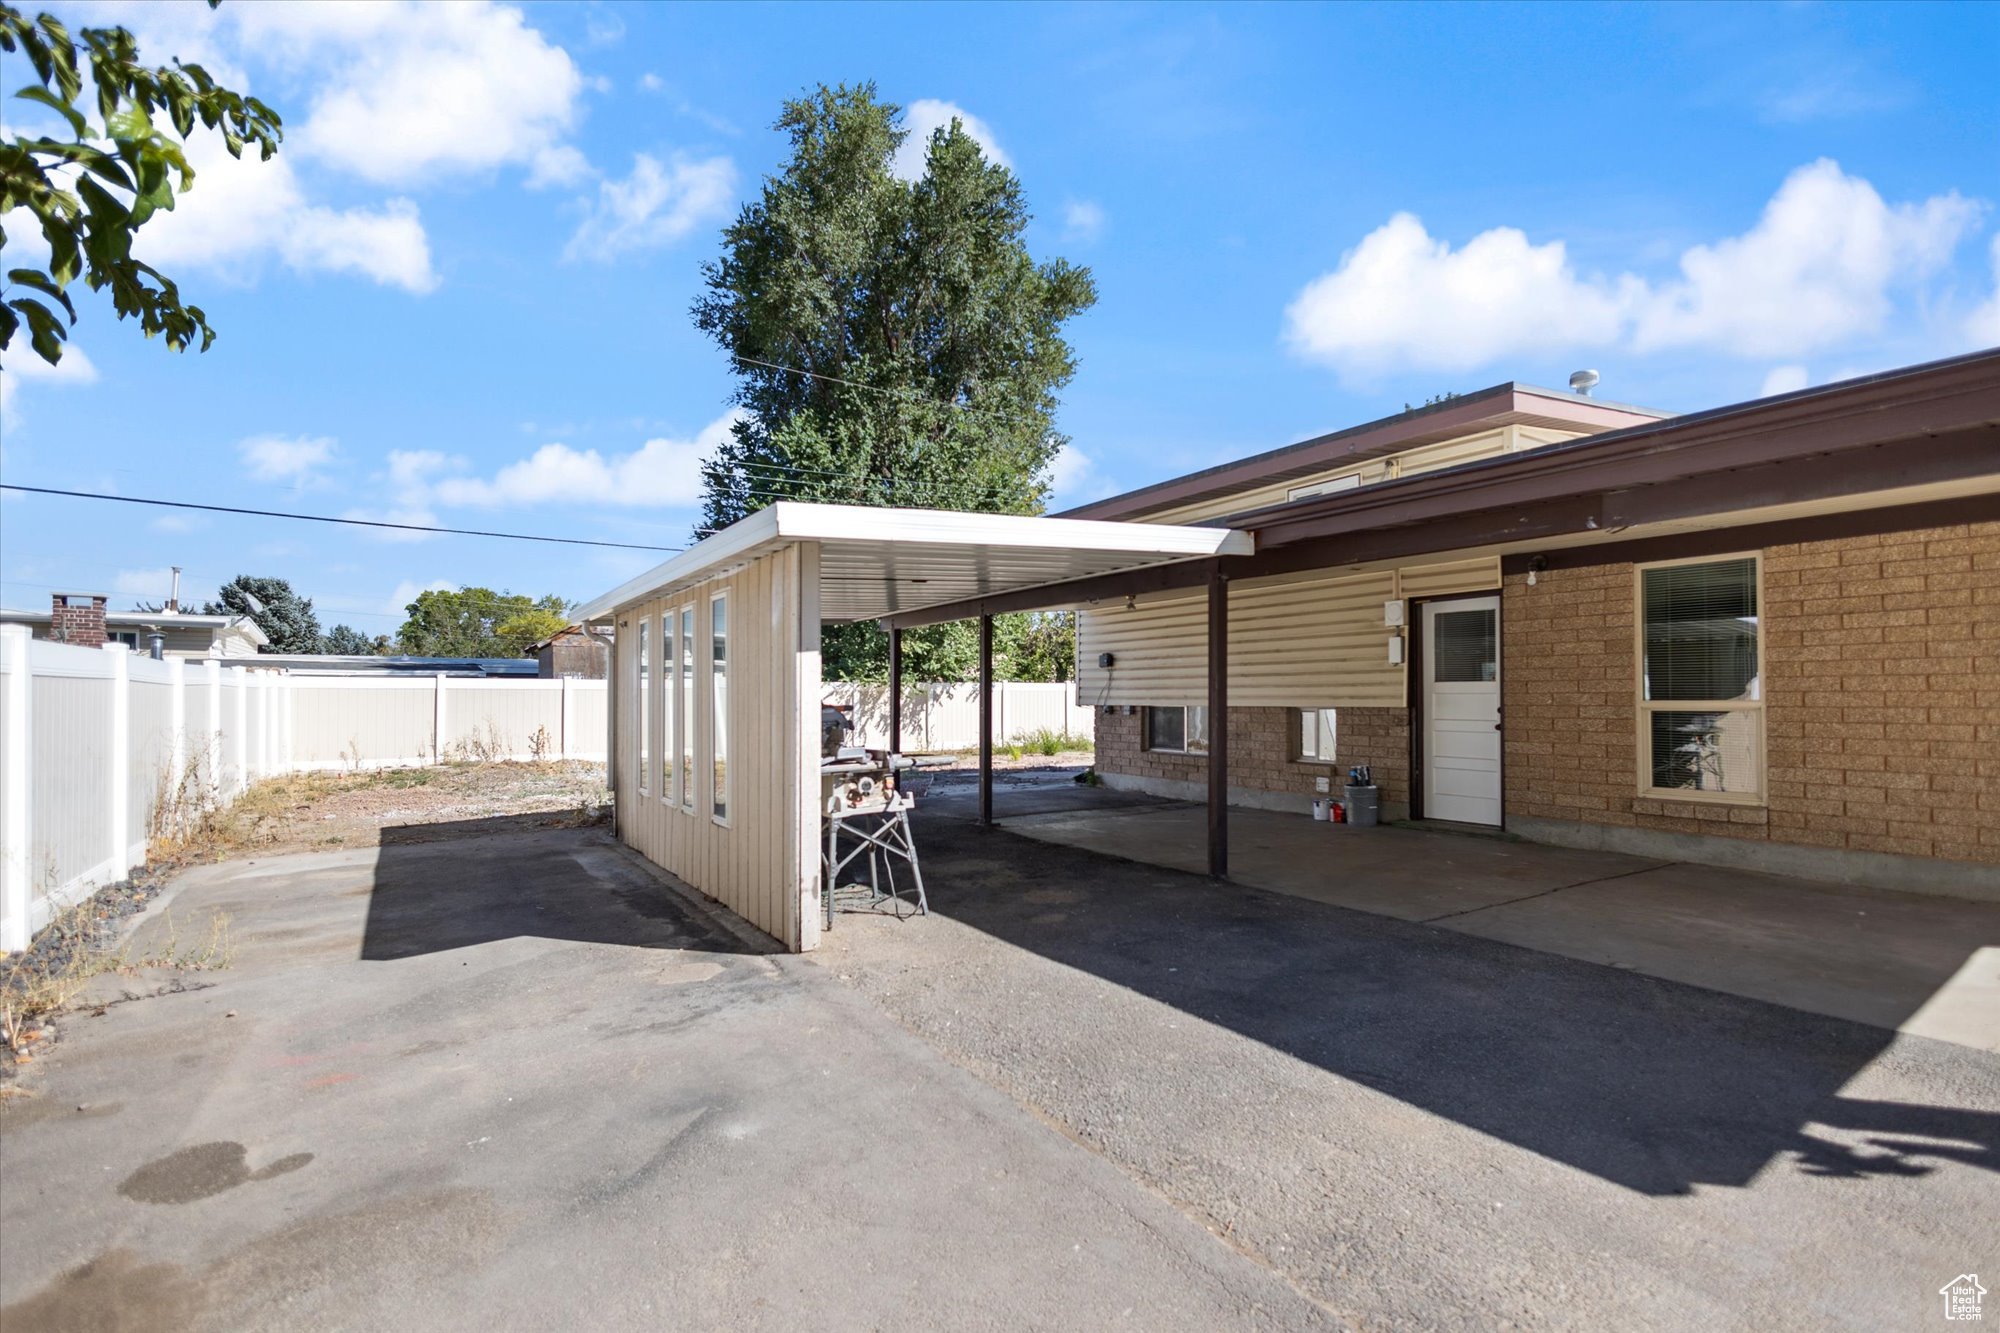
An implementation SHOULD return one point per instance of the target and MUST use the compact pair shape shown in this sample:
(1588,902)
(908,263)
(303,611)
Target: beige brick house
(1766,634)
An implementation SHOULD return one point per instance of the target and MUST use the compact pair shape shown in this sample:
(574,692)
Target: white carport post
(801,608)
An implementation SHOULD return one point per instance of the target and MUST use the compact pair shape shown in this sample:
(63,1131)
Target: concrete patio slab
(1903,961)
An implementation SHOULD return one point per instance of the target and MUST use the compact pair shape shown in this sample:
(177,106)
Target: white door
(1461,652)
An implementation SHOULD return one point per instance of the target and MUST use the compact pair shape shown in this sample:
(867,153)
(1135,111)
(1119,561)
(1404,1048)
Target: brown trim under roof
(1756,536)
(1467,414)
(1931,424)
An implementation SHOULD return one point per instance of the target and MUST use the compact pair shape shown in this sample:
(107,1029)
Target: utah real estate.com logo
(1961,1297)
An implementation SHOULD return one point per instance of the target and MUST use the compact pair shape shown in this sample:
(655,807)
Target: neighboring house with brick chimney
(81,618)
(1766,634)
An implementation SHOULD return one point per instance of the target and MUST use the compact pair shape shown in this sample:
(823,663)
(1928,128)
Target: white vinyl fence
(92,739)
(946,717)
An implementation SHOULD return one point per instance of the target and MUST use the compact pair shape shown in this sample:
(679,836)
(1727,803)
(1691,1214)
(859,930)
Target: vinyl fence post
(15,716)
(437,719)
(240,678)
(177,717)
(211,764)
(120,767)
(562,724)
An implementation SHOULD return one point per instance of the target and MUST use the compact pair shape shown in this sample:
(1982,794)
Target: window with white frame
(1177,730)
(670,718)
(1316,735)
(643,714)
(687,709)
(718,718)
(1701,698)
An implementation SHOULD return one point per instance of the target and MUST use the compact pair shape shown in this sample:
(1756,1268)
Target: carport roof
(879,562)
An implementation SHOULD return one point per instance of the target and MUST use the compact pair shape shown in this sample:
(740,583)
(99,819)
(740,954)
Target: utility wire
(327,518)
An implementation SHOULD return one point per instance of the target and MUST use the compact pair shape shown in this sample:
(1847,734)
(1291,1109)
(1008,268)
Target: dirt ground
(311,812)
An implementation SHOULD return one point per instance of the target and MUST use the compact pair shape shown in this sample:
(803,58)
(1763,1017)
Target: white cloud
(176,525)
(1083,220)
(1817,268)
(661,473)
(1823,264)
(408,91)
(1402,297)
(153,585)
(1075,480)
(408,590)
(295,459)
(1982,326)
(24,367)
(242,210)
(656,205)
(603,27)
(927,115)
(1784,379)
(651,82)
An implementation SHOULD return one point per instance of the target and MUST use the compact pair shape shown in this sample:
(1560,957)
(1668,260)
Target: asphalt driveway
(1423,1128)
(512,1081)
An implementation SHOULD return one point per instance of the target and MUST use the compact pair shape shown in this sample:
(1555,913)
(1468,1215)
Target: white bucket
(1320,805)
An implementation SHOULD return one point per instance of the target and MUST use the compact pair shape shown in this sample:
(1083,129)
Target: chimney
(174,598)
(78,618)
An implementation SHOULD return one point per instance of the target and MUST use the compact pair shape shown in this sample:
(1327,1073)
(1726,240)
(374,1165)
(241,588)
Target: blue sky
(460,293)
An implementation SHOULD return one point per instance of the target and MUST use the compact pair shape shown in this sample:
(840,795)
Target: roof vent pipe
(1582,382)
(174,597)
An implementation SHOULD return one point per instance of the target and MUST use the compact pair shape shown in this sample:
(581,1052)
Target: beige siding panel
(1300,641)
(1441,580)
(1258,497)
(750,863)
(1451,453)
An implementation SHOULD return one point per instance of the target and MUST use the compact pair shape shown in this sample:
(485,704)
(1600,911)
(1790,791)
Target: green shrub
(1043,740)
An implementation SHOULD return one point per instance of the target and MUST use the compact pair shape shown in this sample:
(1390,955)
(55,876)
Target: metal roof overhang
(876,563)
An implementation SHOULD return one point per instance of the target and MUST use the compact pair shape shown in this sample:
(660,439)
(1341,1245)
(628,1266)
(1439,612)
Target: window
(1177,730)
(1701,702)
(1352,481)
(643,714)
(1465,646)
(686,709)
(130,638)
(1316,735)
(669,715)
(718,722)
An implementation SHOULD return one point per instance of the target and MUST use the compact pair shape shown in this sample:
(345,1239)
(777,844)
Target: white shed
(715,738)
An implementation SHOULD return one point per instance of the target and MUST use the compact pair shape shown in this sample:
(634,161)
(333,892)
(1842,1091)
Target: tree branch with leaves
(89,193)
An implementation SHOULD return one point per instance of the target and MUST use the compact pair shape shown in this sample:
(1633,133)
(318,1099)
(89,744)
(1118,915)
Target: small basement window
(1316,736)
(1177,730)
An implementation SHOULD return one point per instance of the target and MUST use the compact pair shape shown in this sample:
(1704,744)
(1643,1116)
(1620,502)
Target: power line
(327,518)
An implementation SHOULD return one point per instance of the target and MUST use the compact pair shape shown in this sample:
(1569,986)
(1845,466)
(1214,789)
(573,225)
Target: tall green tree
(286,618)
(348,641)
(894,341)
(479,622)
(91,189)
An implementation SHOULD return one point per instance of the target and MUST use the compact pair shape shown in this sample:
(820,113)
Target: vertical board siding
(751,863)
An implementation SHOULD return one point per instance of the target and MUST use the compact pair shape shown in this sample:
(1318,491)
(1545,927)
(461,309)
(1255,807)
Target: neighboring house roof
(219,625)
(1507,404)
(566,632)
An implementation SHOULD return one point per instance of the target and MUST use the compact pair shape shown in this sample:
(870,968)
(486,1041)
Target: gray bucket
(1364,806)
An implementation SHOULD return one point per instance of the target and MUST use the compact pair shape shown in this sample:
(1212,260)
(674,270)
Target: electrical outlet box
(1105,660)
(1322,784)
(1395,650)
(1392,614)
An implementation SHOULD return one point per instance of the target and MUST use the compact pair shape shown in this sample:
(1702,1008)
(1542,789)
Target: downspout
(610,717)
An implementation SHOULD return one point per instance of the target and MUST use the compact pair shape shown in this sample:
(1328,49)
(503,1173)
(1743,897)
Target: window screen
(669,715)
(1701,631)
(643,714)
(1166,728)
(688,779)
(1465,646)
(719,718)
(1700,696)
(1316,735)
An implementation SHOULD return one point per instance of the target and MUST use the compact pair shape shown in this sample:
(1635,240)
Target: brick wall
(1263,750)
(1882,688)
(77,618)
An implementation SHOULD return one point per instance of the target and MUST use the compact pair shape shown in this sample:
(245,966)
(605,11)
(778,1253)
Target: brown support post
(986,720)
(1218,722)
(896,691)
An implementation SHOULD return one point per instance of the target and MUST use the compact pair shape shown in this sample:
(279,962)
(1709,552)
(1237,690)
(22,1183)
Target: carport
(714,727)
